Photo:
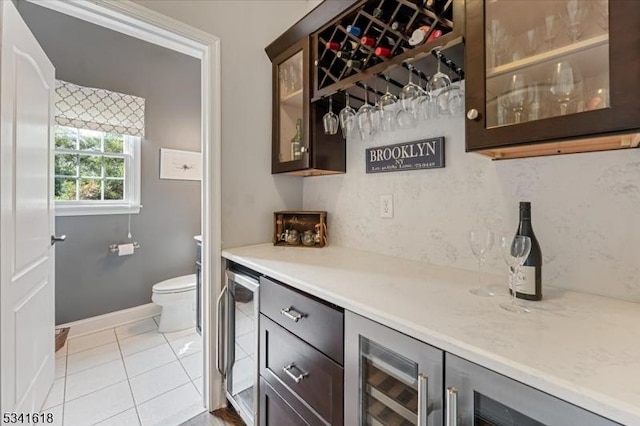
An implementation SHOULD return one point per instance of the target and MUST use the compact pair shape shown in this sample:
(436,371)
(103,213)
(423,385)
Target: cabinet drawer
(314,322)
(275,411)
(286,362)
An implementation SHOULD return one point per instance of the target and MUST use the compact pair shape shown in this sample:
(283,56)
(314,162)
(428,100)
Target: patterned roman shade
(99,109)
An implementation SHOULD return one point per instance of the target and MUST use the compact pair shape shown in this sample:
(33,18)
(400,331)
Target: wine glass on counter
(515,251)
(481,242)
(330,120)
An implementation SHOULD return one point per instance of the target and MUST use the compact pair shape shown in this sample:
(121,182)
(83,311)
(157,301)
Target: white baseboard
(111,320)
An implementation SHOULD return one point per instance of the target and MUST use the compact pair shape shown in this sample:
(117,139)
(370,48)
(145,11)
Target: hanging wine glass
(330,120)
(388,103)
(377,116)
(563,85)
(410,92)
(406,117)
(348,119)
(365,117)
(426,104)
(424,98)
(439,81)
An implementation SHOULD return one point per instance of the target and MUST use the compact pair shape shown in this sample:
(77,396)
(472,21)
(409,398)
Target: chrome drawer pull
(291,314)
(287,369)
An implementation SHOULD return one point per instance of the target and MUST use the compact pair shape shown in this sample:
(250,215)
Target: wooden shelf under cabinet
(603,143)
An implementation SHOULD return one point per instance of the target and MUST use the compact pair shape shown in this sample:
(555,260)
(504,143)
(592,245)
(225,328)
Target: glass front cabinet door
(290,149)
(551,70)
(390,378)
(476,396)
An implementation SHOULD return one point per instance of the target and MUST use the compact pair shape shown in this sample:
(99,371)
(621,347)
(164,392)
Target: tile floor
(129,375)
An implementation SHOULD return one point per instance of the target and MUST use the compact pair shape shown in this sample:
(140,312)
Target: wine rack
(345,49)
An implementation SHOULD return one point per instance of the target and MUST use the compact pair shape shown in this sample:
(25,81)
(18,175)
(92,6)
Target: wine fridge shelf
(374,18)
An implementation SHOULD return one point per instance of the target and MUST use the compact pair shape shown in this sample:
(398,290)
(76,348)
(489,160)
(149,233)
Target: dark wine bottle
(349,45)
(382,52)
(398,26)
(529,285)
(332,45)
(353,30)
(378,11)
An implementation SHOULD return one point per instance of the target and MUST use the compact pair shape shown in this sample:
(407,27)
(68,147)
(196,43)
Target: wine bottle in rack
(354,31)
(435,5)
(324,62)
(332,45)
(368,41)
(529,284)
(382,52)
(399,26)
(356,63)
(378,12)
(419,35)
(348,46)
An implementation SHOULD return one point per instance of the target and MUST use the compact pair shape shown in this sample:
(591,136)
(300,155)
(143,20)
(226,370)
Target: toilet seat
(176,285)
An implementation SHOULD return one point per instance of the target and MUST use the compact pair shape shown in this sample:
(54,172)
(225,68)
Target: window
(96,172)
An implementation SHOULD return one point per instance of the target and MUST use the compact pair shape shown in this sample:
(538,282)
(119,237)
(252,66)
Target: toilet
(177,296)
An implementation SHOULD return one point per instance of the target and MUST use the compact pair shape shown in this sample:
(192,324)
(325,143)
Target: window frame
(131,203)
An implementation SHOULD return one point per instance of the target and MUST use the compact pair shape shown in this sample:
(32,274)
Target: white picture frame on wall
(180,165)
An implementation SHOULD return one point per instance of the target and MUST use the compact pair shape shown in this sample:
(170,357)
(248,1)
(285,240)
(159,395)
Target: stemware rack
(422,69)
(375,18)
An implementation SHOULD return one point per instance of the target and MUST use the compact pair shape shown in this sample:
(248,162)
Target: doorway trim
(139,22)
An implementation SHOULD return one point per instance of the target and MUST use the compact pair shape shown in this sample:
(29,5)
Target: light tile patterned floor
(129,375)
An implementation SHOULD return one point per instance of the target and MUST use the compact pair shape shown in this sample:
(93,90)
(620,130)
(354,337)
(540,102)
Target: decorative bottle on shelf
(529,285)
(296,142)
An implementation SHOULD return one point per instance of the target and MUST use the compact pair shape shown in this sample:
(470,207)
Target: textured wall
(586,209)
(250,194)
(89,280)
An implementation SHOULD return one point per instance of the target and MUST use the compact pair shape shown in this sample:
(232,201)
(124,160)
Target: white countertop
(581,348)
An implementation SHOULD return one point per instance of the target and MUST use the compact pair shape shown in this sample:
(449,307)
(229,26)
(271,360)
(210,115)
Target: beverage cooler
(237,342)
(477,396)
(390,378)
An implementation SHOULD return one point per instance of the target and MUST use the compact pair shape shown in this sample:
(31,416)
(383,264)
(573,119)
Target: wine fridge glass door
(545,59)
(242,337)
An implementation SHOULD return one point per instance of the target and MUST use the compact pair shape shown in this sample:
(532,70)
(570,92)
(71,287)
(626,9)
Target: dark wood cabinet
(299,144)
(311,320)
(301,355)
(553,72)
(301,371)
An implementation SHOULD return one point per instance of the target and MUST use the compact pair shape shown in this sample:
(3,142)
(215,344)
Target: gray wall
(250,194)
(89,280)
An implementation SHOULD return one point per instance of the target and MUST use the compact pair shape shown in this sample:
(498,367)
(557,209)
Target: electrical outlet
(386,206)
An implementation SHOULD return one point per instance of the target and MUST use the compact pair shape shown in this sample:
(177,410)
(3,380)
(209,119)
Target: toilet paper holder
(113,248)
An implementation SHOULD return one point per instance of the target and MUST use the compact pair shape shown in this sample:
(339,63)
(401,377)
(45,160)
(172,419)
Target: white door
(26,217)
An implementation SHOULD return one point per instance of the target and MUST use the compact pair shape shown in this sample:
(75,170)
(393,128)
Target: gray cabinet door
(478,396)
(390,378)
